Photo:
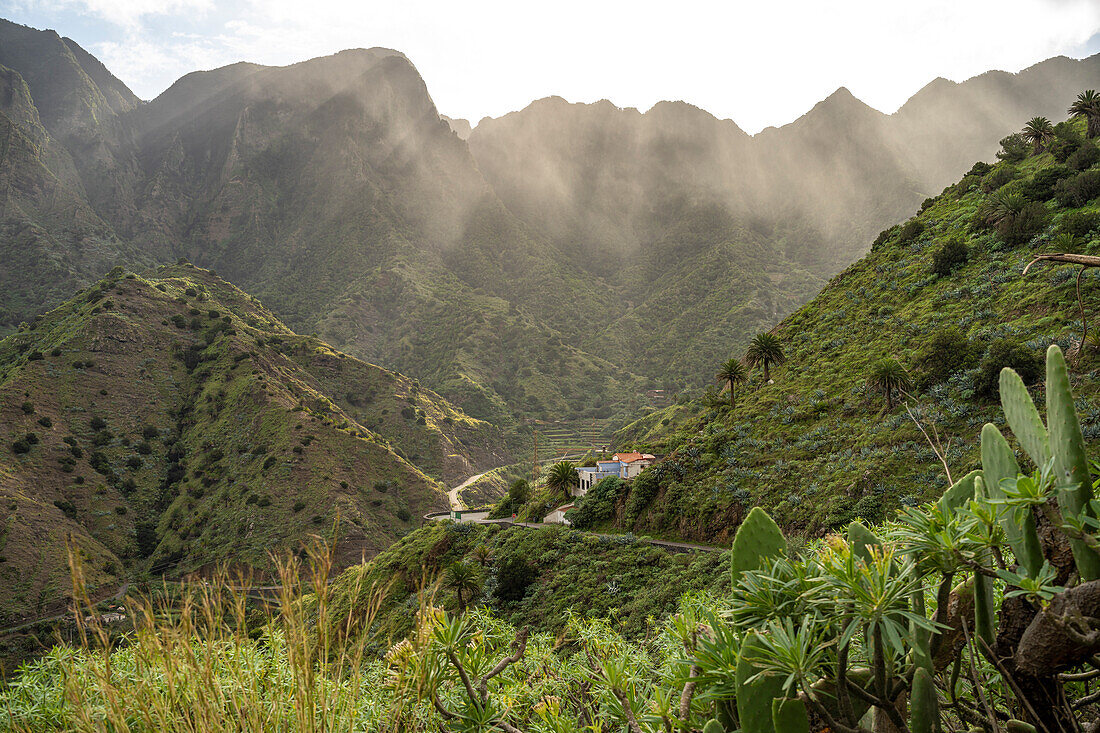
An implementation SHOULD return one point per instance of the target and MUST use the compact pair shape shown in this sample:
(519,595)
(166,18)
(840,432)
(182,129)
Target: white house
(623,465)
(558,516)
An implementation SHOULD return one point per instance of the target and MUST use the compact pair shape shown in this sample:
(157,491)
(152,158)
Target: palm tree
(732,373)
(1038,131)
(1087,105)
(1002,208)
(562,476)
(482,554)
(886,376)
(765,351)
(465,580)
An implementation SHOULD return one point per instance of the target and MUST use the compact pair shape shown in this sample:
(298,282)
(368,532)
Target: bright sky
(758,62)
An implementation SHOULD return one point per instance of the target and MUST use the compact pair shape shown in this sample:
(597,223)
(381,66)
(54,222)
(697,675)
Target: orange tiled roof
(631,457)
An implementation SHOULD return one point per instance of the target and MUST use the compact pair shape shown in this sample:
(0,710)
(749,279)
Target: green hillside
(818,447)
(168,422)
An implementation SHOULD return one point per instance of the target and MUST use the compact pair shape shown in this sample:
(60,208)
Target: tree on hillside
(732,373)
(465,580)
(1002,208)
(1087,105)
(518,493)
(1038,131)
(561,476)
(888,376)
(765,351)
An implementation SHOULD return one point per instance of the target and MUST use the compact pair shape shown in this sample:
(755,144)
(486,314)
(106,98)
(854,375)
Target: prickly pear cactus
(1023,418)
(999,463)
(924,711)
(1071,466)
(713,726)
(789,716)
(757,538)
(754,702)
(960,492)
(862,540)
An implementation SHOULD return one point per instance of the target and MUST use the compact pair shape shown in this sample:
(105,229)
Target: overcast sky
(758,62)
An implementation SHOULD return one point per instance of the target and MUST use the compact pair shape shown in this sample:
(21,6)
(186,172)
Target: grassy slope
(816,448)
(178,405)
(572,572)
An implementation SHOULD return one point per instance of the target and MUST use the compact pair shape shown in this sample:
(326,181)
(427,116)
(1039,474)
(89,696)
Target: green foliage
(945,353)
(1014,148)
(910,230)
(1011,354)
(598,505)
(1078,190)
(950,255)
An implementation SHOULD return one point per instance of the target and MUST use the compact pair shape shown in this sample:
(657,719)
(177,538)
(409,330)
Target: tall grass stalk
(208,661)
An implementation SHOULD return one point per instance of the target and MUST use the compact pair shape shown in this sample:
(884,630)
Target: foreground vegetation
(977,611)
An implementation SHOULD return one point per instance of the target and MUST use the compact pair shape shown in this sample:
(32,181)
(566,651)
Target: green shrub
(20,446)
(1014,148)
(910,230)
(1084,157)
(35,356)
(514,577)
(643,489)
(120,510)
(1079,224)
(403,514)
(134,463)
(1031,220)
(1078,190)
(67,508)
(952,254)
(97,423)
(45,422)
(28,408)
(31,438)
(980,168)
(298,506)
(598,505)
(1040,187)
(946,352)
(1006,352)
(998,177)
(883,237)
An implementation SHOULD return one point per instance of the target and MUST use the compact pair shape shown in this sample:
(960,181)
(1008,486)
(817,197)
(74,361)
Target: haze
(757,63)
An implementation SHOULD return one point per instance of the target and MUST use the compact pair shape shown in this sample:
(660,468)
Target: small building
(633,463)
(622,465)
(558,516)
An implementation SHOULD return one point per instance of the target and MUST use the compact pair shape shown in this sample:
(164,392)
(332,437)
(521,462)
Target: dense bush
(1006,352)
(514,576)
(1078,190)
(67,508)
(1084,157)
(1079,224)
(998,177)
(910,230)
(1014,148)
(1040,187)
(951,254)
(1031,220)
(598,505)
(643,489)
(946,352)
